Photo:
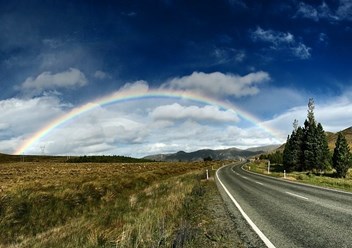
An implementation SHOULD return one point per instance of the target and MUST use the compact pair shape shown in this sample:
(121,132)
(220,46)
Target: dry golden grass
(95,205)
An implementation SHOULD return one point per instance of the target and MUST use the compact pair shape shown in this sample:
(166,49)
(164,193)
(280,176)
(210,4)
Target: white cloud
(219,84)
(271,36)
(21,118)
(334,115)
(138,86)
(282,41)
(165,125)
(206,113)
(47,81)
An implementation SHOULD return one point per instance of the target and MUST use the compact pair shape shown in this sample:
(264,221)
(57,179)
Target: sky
(204,74)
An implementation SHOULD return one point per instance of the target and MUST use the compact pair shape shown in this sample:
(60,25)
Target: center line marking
(259,183)
(305,198)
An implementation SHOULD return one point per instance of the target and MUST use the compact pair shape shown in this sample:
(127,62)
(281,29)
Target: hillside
(223,154)
(331,137)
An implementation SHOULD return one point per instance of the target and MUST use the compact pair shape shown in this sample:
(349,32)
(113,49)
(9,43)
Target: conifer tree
(287,154)
(310,141)
(341,160)
(292,156)
(323,149)
(297,147)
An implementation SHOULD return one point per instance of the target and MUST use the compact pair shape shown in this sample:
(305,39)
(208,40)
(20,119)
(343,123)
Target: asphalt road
(288,214)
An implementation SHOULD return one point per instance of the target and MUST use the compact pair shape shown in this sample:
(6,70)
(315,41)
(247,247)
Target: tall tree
(297,149)
(323,154)
(292,156)
(310,143)
(341,159)
(287,154)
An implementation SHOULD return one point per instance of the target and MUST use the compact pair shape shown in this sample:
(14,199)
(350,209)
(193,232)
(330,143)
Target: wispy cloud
(217,84)
(281,41)
(322,11)
(47,81)
(228,55)
(344,11)
(101,75)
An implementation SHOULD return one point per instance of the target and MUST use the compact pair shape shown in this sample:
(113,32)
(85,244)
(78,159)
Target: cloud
(324,12)
(344,11)
(140,86)
(139,128)
(281,41)
(206,113)
(47,81)
(22,117)
(314,12)
(334,115)
(217,84)
(101,75)
(227,55)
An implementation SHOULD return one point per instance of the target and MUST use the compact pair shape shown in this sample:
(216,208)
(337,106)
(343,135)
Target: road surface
(288,214)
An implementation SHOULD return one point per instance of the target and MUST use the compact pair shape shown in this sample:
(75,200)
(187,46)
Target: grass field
(326,179)
(47,204)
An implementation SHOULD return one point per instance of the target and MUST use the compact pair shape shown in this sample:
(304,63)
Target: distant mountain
(268,148)
(224,154)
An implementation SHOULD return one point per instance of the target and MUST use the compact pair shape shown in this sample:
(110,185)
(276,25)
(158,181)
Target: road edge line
(261,235)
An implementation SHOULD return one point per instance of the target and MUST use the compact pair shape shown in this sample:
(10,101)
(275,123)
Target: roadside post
(207,174)
(268,166)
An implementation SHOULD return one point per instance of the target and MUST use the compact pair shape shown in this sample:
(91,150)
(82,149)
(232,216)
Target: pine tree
(297,149)
(292,156)
(323,149)
(287,154)
(341,160)
(310,145)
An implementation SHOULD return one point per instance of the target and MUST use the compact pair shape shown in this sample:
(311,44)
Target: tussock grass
(98,205)
(327,179)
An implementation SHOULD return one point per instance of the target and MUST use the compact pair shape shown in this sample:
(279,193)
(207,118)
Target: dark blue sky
(303,46)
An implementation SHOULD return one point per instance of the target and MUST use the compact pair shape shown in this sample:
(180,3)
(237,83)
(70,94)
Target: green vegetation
(327,179)
(307,148)
(106,205)
(341,159)
(106,159)
(275,157)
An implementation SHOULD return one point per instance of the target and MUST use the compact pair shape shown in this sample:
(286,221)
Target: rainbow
(120,97)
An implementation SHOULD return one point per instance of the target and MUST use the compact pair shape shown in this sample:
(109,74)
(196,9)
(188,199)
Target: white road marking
(266,241)
(244,177)
(305,198)
(259,183)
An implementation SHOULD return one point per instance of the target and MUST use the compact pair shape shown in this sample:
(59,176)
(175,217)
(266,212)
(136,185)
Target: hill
(331,137)
(223,154)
